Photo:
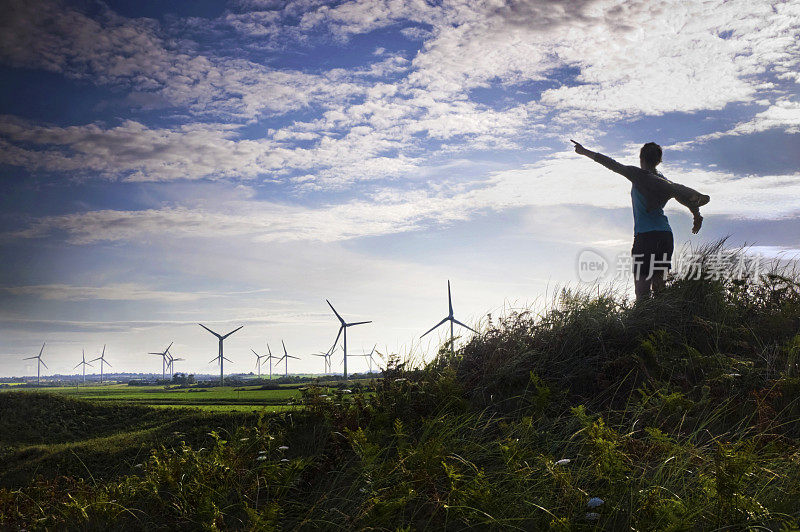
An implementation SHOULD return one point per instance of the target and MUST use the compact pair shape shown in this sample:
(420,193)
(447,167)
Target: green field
(222,398)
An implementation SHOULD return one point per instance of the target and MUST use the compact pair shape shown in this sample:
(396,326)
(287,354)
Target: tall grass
(678,413)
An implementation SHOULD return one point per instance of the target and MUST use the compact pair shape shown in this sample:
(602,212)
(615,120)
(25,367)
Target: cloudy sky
(237,163)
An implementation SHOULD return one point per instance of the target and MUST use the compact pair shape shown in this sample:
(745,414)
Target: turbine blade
(333,347)
(358,323)
(94,359)
(449,299)
(209,330)
(228,359)
(254,352)
(170,345)
(334,311)
(43,364)
(290,356)
(432,328)
(269,350)
(213,359)
(284,348)
(104,351)
(107,362)
(42,349)
(76,367)
(29,358)
(233,331)
(279,360)
(463,325)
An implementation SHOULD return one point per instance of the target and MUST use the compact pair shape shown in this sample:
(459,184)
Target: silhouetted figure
(652,236)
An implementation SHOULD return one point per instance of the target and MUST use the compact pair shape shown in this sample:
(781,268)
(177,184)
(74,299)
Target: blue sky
(235,163)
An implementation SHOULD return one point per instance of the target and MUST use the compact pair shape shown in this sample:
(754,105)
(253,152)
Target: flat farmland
(221,398)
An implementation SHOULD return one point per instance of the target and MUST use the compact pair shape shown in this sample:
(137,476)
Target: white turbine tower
(220,357)
(452,320)
(164,354)
(102,359)
(39,363)
(258,361)
(286,356)
(84,364)
(343,327)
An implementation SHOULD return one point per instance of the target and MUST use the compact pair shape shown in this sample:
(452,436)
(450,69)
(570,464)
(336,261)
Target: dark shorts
(652,252)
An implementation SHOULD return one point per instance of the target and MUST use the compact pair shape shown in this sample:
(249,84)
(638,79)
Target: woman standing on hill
(652,235)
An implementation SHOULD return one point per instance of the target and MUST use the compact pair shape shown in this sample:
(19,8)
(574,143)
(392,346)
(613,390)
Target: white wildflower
(563,461)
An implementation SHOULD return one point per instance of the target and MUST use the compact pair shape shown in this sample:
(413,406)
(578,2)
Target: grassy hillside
(48,435)
(681,413)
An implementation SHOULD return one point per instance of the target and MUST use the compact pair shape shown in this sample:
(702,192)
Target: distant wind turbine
(286,356)
(171,364)
(270,358)
(220,357)
(452,320)
(83,363)
(39,363)
(258,361)
(325,362)
(102,359)
(343,327)
(164,354)
(369,358)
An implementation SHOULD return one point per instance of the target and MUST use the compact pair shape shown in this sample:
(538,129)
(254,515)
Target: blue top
(644,221)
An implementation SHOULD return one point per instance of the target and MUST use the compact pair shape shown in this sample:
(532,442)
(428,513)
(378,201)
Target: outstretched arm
(608,162)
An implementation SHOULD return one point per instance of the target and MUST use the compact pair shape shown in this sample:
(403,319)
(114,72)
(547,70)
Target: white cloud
(559,181)
(110,292)
(133,52)
(784,115)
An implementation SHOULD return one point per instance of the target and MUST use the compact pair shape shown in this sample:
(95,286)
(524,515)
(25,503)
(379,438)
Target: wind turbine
(163,356)
(369,358)
(258,361)
(220,357)
(325,362)
(39,363)
(270,358)
(343,327)
(171,364)
(102,359)
(286,356)
(452,320)
(84,364)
